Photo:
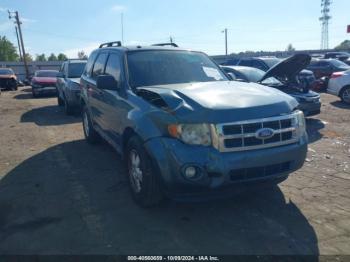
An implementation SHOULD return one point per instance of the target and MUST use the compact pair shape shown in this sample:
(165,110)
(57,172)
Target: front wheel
(68,109)
(345,95)
(143,180)
(90,133)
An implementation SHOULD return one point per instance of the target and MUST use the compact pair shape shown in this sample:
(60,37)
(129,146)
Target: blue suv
(183,128)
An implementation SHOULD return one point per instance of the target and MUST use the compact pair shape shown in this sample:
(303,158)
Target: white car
(339,85)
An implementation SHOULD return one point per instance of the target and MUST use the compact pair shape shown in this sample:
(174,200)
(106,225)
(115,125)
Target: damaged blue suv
(183,128)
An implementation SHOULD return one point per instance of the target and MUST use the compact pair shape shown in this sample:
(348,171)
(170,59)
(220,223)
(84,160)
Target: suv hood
(220,101)
(288,68)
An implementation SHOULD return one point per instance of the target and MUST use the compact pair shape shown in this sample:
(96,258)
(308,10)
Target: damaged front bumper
(217,171)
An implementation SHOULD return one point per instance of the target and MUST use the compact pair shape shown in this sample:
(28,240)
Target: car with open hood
(184,129)
(44,82)
(283,76)
(8,79)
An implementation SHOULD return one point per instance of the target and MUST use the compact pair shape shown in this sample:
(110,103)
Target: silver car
(68,85)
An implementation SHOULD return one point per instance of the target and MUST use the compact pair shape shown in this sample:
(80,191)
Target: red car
(44,82)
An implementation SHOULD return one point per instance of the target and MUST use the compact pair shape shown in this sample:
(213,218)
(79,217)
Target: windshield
(339,64)
(272,61)
(75,70)
(147,68)
(46,73)
(255,75)
(6,72)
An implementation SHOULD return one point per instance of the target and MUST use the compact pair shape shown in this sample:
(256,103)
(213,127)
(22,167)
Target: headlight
(193,134)
(300,121)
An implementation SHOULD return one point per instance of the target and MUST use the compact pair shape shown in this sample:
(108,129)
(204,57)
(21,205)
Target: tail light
(336,75)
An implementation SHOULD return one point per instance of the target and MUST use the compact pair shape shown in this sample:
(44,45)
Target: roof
(140,48)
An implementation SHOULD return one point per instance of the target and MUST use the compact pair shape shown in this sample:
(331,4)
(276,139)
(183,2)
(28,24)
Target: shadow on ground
(28,95)
(340,104)
(49,116)
(73,199)
(313,127)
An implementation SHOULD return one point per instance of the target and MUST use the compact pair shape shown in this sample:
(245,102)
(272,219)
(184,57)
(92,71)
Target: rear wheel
(60,102)
(90,133)
(143,180)
(345,94)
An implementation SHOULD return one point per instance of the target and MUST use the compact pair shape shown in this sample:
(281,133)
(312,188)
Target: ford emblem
(264,133)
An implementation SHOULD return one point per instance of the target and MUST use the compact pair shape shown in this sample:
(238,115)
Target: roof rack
(166,44)
(110,44)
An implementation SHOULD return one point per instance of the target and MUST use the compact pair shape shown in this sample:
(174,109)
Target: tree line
(8,53)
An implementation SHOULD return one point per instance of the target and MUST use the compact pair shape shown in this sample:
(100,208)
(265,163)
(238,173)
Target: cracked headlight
(193,134)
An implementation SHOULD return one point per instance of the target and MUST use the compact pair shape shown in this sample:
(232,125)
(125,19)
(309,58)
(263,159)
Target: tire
(34,95)
(60,102)
(143,180)
(68,109)
(345,94)
(90,133)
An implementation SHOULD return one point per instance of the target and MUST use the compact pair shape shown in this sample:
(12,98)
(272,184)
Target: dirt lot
(59,195)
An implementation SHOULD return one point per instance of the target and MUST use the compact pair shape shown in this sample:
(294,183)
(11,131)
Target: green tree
(345,45)
(82,55)
(29,58)
(8,51)
(62,57)
(40,58)
(52,57)
(290,48)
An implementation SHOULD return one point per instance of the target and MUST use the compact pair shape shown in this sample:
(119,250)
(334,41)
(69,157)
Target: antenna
(325,9)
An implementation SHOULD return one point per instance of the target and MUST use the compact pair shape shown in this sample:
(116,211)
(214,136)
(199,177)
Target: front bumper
(220,170)
(48,90)
(310,108)
(73,96)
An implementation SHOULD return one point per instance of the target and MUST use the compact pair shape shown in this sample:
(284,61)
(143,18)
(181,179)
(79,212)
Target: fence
(18,67)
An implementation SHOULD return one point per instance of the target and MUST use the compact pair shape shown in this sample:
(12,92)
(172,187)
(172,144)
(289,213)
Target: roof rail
(110,44)
(166,44)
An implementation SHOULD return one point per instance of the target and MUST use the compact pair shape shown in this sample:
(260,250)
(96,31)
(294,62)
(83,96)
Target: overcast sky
(71,25)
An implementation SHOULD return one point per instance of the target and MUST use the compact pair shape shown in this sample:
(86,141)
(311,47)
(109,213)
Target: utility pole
(122,24)
(225,31)
(171,39)
(18,23)
(19,45)
(325,4)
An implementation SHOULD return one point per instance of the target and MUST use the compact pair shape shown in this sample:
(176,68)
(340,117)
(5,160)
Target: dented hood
(223,100)
(288,68)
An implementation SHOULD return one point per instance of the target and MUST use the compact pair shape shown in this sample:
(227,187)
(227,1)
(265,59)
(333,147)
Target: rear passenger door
(96,103)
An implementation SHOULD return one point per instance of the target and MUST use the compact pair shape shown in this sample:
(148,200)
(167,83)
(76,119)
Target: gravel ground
(59,195)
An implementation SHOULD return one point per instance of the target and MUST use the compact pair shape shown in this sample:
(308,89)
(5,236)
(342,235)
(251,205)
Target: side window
(259,65)
(245,63)
(113,66)
(90,63)
(99,65)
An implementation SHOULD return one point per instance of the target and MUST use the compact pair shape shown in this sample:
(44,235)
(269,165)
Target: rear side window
(99,65)
(113,66)
(89,64)
(245,63)
(258,64)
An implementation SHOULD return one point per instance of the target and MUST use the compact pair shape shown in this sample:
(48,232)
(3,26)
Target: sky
(69,26)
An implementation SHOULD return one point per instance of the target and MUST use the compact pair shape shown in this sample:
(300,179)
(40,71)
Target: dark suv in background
(184,129)
(68,84)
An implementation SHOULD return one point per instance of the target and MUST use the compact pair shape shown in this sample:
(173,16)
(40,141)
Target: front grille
(241,136)
(259,172)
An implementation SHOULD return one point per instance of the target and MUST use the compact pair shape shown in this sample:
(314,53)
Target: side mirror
(106,82)
(231,76)
(60,75)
